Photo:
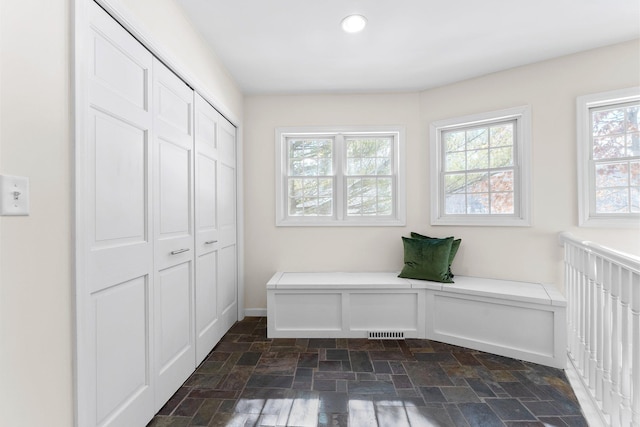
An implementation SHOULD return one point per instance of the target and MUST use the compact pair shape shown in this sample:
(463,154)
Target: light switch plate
(14,195)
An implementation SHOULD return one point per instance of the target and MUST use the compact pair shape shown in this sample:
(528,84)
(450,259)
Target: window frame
(522,168)
(587,216)
(340,217)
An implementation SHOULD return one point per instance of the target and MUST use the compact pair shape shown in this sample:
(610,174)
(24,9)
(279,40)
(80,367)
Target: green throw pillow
(427,259)
(454,247)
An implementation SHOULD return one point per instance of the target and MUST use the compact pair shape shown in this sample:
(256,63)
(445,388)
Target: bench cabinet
(513,319)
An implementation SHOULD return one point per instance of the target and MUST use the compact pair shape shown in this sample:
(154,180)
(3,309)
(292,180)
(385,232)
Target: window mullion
(339,179)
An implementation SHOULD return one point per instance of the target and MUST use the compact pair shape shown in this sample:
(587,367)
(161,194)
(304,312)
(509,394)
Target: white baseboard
(255,312)
(589,407)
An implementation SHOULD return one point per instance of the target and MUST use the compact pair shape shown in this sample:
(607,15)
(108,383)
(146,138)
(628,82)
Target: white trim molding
(522,169)
(586,176)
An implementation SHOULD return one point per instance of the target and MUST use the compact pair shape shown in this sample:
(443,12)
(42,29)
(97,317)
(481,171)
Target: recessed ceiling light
(354,23)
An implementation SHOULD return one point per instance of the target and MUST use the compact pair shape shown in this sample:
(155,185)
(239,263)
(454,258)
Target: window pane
(455,204)
(454,183)
(310,196)
(477,138)
(501,157)
(478,203)
(635,173)
(633,120)
(477,159)
(309,157)
(635,199)
(612,200)
(502,203)
(477,183)
(454,141)
(609,147)
(455,161)
(369,156)
(608,122)
(501,135)
(385,188)
(612,175)
(633,144)
(502,181)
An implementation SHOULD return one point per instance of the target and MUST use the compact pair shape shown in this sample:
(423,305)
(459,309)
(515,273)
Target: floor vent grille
(385,335)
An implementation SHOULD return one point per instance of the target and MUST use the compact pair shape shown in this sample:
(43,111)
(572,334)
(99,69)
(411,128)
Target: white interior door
(227,220)
(114,342)
(212,235)
(174,231)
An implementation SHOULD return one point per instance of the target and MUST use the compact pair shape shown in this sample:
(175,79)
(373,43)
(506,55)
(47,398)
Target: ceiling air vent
(386,335)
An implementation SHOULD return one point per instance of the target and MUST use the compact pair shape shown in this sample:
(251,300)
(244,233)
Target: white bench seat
(514,319)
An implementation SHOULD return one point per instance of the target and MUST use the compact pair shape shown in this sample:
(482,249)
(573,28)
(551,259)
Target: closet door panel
(114,343)
(174,232)
(228,278)
(209,329)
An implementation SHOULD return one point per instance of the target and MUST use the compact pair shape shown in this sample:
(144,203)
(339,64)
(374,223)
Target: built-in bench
(514,319)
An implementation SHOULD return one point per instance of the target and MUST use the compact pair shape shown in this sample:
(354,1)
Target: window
(609,158)
(343,176)
(480,169)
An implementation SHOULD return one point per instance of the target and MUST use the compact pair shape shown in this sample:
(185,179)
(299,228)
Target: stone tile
(360,361)
(479,415)
(321,343)
(401,381)
(479,387)
(396,368)
(552,421)
(437,357)
(198,380)
(427,374)
(432,394)
(206,412)
(367,376)
(467,359)
(163,421)
(456,415)
(269,381)
(249,358)
(516,389)
(387,355)
(392,416)
(333,420)
(333,402)
(303,411)
(308,360)
(364,344)
(510,410)
(214,394)
(188,407)
(424,416)
(382,367)
(575,421)
(495,362)
(278,366)
(334,375)
(370,387)
(324,385)
(538,408)
(333,365)
(459,394)
(237,378)
(338,354)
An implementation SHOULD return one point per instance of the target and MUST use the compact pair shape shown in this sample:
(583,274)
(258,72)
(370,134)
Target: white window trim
(586,178)
(522,195)
(339,219)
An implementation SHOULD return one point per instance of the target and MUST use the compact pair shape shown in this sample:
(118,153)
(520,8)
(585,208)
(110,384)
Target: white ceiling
(297,46)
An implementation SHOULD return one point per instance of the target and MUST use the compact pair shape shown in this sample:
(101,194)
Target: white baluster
(615,347)
(625,374)
(599,312)
(606,344)
(635,336)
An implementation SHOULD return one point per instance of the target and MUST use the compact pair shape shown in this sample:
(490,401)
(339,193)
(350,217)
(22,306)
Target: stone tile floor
(250,380)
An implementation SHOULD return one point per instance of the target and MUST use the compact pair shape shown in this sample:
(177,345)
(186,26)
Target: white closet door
(210,327)
(227,239)
(174,232)
(114,300)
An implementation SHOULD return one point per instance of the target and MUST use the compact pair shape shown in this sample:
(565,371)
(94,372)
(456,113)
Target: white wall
(530,254)
(36,287)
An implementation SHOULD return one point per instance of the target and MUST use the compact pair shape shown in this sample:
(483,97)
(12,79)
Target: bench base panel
(516,326)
